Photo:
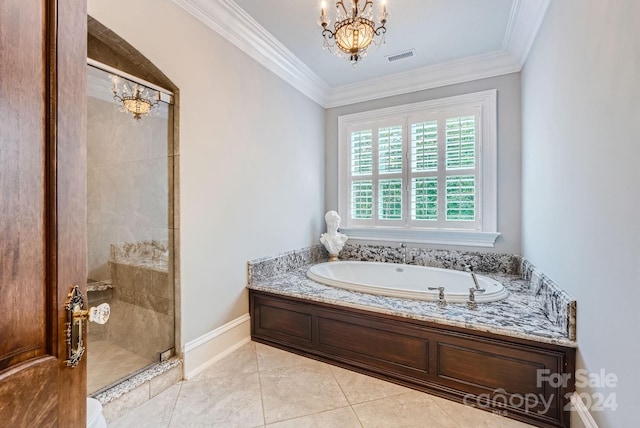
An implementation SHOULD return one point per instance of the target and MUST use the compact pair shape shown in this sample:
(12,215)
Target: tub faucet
(472,304)
(403,246)
(469,269)
(441,301)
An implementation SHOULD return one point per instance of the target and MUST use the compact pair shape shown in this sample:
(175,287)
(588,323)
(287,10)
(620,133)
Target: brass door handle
(76,314)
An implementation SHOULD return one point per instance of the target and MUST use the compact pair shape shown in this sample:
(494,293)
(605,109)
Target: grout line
(452,417)
(333,373)
(175,404)
(357,417)
(255,352)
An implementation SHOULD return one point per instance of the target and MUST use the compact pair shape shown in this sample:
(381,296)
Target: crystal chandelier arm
(340,3)
(326,33)
(381,29)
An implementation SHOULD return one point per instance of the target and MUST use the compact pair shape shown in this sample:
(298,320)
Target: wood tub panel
(451,362)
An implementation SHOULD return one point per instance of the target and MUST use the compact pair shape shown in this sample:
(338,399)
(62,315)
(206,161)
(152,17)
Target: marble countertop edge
(296,284)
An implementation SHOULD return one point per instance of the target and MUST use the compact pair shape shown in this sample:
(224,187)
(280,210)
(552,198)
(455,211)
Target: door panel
(42,207)
(22,243)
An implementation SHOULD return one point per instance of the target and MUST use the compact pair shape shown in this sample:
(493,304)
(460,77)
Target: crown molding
(433,76)
(230,21)
(524,23)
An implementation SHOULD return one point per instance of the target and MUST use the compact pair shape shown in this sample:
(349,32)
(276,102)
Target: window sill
(442,237)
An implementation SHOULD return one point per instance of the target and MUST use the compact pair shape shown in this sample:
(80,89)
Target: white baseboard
(582,411)
(211,347)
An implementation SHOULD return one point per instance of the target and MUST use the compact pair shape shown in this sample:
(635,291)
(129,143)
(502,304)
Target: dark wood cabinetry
(489,371)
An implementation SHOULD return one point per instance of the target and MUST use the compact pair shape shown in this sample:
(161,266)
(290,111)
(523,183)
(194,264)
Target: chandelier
(354,30)
(134,98)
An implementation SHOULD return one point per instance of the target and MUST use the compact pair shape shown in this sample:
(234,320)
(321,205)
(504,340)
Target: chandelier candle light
(138,101)
(353,31)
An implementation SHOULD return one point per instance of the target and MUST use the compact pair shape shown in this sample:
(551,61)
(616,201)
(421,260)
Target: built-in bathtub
(487,355)
(406,281)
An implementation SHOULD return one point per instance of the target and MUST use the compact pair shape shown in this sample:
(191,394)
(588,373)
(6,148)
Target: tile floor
(261,386)
(108,362)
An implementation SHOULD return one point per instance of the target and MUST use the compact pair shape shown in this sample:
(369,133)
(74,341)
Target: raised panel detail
(389,347)
(286,322)
(22,181)
(487,370)
(457,363)
(31,383)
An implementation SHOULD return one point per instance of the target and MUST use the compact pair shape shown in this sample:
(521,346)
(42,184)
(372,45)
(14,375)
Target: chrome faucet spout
(469,269)
(475,280)
(403,246)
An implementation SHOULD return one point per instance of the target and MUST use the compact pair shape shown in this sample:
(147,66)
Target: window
(422,172)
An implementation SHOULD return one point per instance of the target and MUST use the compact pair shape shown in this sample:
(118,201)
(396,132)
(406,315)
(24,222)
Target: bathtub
(405,281)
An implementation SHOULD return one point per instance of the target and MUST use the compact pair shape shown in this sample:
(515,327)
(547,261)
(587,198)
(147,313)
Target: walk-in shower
(129,219)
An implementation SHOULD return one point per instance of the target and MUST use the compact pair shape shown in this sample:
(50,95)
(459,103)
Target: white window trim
(488,233)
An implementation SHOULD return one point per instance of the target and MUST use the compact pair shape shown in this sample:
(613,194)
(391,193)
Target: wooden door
(42,208)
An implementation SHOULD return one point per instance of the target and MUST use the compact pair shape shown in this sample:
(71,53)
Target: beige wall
(127,186)
(581,151)
(251,157)
(508,87)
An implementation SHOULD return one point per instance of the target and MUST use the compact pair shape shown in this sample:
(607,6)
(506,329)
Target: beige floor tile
(232,401)
(338,418)
(271,358)
(408,410)
(108,362)
(360,388)
(258,384)
(299,390)
(470,417)
(243,360)
(154,413)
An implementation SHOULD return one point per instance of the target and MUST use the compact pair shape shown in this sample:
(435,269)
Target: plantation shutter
(419,171)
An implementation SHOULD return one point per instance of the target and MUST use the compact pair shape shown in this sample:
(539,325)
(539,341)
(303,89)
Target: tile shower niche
(130,260)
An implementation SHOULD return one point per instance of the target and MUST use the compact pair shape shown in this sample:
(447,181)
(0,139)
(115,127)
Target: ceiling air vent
(401,55)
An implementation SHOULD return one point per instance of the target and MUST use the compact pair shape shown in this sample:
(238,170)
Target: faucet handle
(441,301)
(471,303)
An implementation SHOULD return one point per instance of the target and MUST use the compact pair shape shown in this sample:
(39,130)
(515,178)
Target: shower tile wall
(144,301)
(128,176)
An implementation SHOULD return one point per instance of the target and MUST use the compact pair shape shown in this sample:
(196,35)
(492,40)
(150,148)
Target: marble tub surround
(519,315)
(556,303)
(267,267)
(447,259)
(524,314)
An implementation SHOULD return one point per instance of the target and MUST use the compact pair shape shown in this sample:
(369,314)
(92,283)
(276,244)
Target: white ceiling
(439,31)
(455,41)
